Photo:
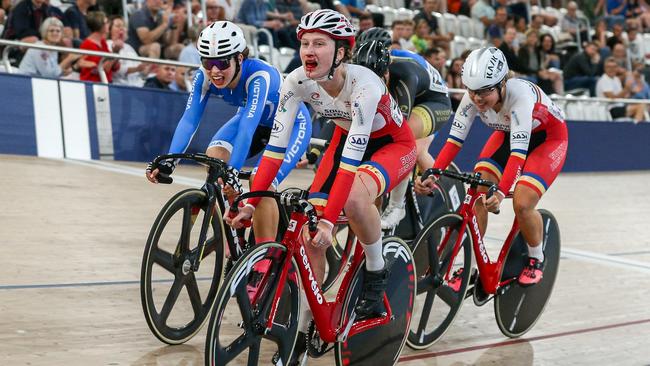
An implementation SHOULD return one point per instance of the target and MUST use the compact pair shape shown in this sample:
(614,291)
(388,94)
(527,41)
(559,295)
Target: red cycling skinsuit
(370,136)
(530,142)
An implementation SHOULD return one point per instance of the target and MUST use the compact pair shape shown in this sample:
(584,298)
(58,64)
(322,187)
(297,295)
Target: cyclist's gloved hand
(323,236)
(241,217)
(312,156)
(160,173)
(493,202)
(425,186)
(231,185)
(232,180)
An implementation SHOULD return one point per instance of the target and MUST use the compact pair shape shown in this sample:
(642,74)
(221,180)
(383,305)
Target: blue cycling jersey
(256,95)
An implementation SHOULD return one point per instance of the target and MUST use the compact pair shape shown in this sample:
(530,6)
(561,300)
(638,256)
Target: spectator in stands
(581,71)
(610,86)
(437,57)
(165,74)
(190,54)
(570,23)
(178,33)
(180,82)
(366,22)
(634,43)
(619,53)
(402,32)
(356,8)
(454,81)
(25,20)
(437,39)
(640,10)
(617,36)
(297,8)
(458,7)
(639,87)
(550,74)
(537,23)
(529,56)
(510,51)
(480,10)
(74,20)
(130,73)
(46,63)
(96,41)
(228,9)
(521,26)
(498,27)
(150,28)
(214,11)
(613,11)
(421,38)
(255,13)
(515,8)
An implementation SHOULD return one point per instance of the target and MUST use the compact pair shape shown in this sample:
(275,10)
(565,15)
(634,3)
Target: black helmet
(372,55)
(375,34)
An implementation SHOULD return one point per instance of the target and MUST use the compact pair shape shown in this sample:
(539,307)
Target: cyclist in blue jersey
(253,86)
(421,94)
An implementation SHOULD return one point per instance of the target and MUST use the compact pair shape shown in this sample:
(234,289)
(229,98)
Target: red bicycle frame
(490,271)
(327,315)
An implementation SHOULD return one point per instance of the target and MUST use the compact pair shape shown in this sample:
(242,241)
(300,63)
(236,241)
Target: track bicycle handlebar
(291,197)
(473,179)
(202,159)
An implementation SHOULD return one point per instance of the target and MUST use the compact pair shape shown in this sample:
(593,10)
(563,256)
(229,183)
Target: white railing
(100,66)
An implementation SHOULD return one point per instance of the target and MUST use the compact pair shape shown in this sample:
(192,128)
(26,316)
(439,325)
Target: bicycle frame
(490,271)
(216,169)
(327,315)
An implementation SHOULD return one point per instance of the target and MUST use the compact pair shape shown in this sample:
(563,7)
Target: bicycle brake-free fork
(205,225)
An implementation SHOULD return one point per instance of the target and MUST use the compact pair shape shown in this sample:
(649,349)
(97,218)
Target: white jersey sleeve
(463,120)
(285,116)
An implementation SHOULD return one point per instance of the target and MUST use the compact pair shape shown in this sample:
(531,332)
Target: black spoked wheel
(437,303)
(176,300)
(517,308)
(236,332)
(382,345)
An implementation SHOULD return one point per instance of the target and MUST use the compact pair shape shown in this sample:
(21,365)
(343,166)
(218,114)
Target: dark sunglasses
(482,92)
(219,63)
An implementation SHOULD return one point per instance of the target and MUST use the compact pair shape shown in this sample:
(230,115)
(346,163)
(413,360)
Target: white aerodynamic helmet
(221,39)
(329,22)
(484,68)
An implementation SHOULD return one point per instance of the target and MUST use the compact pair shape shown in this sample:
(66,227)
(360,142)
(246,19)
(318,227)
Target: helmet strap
(499,87)
(237,67)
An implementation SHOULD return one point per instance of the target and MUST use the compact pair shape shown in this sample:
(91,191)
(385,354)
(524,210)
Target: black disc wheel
(176,299)
(382,345)
(437,303)
(518,308)
(236,331)
(335,253)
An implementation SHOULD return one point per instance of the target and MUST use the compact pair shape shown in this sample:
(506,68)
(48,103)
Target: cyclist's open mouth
(218,79)
(311,65)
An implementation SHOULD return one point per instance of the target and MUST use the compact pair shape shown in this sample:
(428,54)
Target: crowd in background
(572,60)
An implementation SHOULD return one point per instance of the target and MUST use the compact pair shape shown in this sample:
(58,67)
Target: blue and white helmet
(221,39)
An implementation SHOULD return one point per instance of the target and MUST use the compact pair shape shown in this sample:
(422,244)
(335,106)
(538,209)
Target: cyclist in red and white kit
(527,149)
(372,148)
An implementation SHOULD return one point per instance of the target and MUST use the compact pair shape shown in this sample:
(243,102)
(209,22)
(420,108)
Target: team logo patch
(277,127)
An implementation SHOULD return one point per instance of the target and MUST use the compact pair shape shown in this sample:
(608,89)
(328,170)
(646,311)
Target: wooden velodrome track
(72,236)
